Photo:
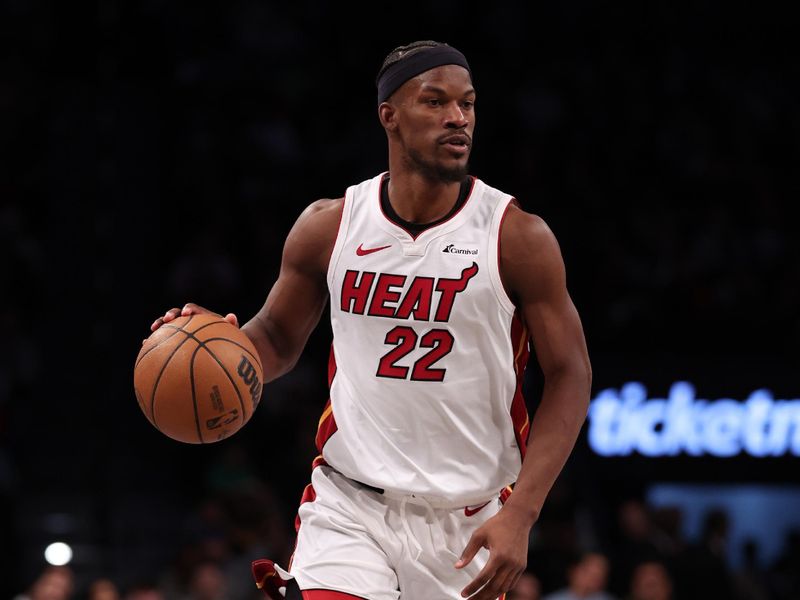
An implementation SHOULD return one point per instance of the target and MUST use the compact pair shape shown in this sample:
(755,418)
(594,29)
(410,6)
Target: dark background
(155,153)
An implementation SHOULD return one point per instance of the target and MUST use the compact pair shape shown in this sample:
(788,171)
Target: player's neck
(416,199)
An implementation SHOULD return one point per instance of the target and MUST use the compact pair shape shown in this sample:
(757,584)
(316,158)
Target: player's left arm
(533,273)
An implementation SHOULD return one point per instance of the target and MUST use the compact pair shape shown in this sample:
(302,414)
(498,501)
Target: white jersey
(428,354)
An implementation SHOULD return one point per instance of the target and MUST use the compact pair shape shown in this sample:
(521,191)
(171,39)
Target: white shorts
(358,541)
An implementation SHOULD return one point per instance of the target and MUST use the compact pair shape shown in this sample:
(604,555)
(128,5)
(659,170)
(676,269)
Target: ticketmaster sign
(625,421)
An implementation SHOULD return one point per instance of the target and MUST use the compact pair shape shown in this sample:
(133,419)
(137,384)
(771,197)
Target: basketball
(198,379)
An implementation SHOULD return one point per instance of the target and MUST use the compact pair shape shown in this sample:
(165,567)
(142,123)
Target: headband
(423,60)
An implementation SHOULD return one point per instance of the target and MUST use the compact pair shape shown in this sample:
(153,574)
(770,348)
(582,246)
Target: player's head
(426,104)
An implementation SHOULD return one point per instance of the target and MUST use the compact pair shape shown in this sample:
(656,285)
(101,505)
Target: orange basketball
(198,379)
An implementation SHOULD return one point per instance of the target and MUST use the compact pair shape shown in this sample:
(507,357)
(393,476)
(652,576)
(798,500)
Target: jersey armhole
(341,234)
(500,212)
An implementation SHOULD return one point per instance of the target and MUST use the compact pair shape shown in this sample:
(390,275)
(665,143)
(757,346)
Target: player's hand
(506,537)
(190,309)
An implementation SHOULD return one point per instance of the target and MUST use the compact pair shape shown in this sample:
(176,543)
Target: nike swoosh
(471,511)
(361,251)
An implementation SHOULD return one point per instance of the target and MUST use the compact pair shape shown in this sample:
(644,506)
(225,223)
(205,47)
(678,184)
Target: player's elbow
(582,374)
(281,366)
(281,358)
(577,369)
(574,374)
(275,351)
(587,374)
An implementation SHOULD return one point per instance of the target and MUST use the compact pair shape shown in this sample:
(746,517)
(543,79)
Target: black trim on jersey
(371,488)
(416,228)
(293,591)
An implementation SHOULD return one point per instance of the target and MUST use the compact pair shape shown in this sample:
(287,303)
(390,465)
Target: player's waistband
(423,500)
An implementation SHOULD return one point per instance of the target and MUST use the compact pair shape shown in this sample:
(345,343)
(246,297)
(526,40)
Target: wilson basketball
(198,379)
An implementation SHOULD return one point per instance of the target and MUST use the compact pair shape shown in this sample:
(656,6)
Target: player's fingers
(501,582)
(481,579)
(507,584)
(190,308)
(171,314)
(231,318)
(516,579)
(168,316)
(473,545)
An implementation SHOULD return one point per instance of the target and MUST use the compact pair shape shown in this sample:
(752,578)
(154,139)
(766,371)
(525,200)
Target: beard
(436,172)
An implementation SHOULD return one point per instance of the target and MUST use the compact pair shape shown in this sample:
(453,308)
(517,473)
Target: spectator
(702,571)
(144,591)
(637,539)
(586,579)
(784,574)
(103,589)
(207,582)
(749,580)
(527,587)
(55,583)
(650,581)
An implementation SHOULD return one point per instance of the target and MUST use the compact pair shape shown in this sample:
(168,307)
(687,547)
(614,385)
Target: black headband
(419,62)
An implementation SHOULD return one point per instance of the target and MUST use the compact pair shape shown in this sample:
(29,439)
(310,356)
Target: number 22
(440,341)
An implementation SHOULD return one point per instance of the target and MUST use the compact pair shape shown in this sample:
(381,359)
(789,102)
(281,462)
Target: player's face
(436,112)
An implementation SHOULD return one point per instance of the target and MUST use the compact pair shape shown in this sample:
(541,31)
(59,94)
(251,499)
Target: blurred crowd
(647,558)
(155,153)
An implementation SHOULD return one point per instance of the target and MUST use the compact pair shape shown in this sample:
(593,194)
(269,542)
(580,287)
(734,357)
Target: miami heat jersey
(428,354)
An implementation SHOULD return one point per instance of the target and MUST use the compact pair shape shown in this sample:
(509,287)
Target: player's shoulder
(516,220)
(321,216)
(530,256)
(327,212)
(524,229)
(313,235)
(324,208)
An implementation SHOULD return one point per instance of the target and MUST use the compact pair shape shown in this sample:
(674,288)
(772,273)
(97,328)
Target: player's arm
(293,306)
(533,272)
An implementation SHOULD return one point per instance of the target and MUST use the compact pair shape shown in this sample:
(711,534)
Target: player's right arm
(295,303)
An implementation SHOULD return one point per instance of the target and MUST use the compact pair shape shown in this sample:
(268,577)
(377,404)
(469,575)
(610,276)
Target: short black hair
(403,52)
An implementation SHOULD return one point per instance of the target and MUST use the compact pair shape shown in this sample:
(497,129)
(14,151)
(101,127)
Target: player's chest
(380,279)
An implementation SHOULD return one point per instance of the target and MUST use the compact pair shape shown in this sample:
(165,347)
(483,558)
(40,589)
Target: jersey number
(440,342)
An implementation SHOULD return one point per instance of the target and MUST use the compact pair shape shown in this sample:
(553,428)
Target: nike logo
(469,510)
(361,251)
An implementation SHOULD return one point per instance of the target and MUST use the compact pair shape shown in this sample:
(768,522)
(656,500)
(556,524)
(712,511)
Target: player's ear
(387,113)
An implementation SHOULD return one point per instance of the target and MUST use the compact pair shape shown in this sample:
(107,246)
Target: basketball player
(436,282)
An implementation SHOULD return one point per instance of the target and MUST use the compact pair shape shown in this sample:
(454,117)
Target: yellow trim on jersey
(526,423)
(523,341)
(325,414)
(260,584)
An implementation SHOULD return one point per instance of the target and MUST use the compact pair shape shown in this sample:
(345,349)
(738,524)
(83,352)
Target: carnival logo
(453,249)
(625,421)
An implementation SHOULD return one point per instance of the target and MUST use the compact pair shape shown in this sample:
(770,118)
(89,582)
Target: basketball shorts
(373,545)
